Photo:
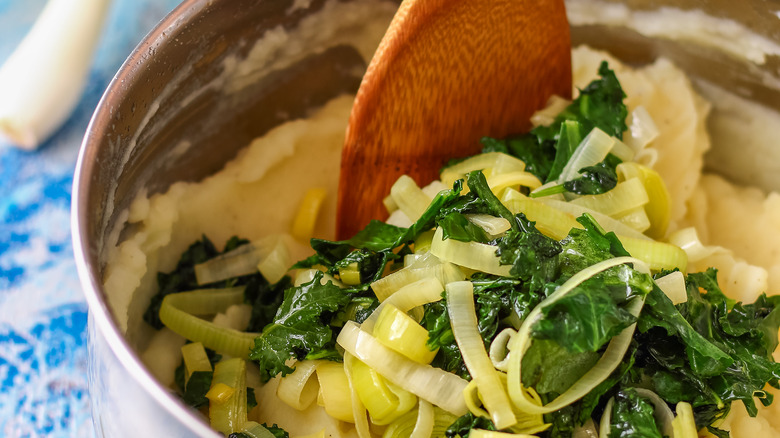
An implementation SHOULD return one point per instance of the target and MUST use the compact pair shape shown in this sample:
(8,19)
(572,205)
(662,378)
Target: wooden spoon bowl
(447,73)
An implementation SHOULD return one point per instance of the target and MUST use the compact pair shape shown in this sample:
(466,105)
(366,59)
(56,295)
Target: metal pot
(168,94)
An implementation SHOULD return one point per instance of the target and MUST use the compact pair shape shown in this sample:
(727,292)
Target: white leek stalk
(684,425)
(626,196)
(499,349)
(472,255)
(427,290)
(409,197)
(593,149)
(390,284)
(463,318)
(42,80)
(423,428)
(673,285)
(435,385)
(358,409)
(492,225)
(299,389)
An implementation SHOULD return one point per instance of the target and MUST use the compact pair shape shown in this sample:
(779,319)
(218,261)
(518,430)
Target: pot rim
(86,166)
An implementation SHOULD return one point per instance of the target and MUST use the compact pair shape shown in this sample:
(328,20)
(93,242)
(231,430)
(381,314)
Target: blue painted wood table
(43,315)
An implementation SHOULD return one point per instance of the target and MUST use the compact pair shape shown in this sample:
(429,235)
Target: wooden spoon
(447,73)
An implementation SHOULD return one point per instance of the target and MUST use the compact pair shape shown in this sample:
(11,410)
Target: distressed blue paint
(43,317)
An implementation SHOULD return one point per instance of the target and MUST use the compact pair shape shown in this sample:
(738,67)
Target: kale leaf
(596,179)
(632,416)
(547,149)
(193,393)
(463,425)
(301,326)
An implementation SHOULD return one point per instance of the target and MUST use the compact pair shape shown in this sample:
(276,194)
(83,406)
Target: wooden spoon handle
(447,73)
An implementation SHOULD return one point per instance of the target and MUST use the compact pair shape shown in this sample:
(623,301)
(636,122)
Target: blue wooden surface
(43,316)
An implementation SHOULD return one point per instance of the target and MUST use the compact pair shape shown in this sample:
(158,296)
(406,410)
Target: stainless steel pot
(165,96)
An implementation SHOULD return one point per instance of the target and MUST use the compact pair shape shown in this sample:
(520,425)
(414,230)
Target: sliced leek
(43,79)
(409,197)
(299,388)
(688,240)
(463,318)
(406,425)
(308,212)
(606,222)
(489,163)
(269,255)
(358,408)
(499,351)
(684,425)
(658,255)
(427,290)
(635,218)
(227,408)
(673,285)
(626,196)
(663,415)
(472,255)
(399,332)
(435,385)
(658,207)
(195,359)
(391,283)
(642,129)
(550,221)
(384,401)
(334,390)
(178,312)
(492,225)
(593,149)
(499,182)
(256,430)
(423,428)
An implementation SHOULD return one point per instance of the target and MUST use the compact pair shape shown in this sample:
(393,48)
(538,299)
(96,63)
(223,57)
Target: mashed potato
(259,191)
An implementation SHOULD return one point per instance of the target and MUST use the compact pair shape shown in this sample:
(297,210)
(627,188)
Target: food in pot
(555,284)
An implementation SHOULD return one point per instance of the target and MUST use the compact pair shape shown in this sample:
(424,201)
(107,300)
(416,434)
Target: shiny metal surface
(125,150)
(148,110)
